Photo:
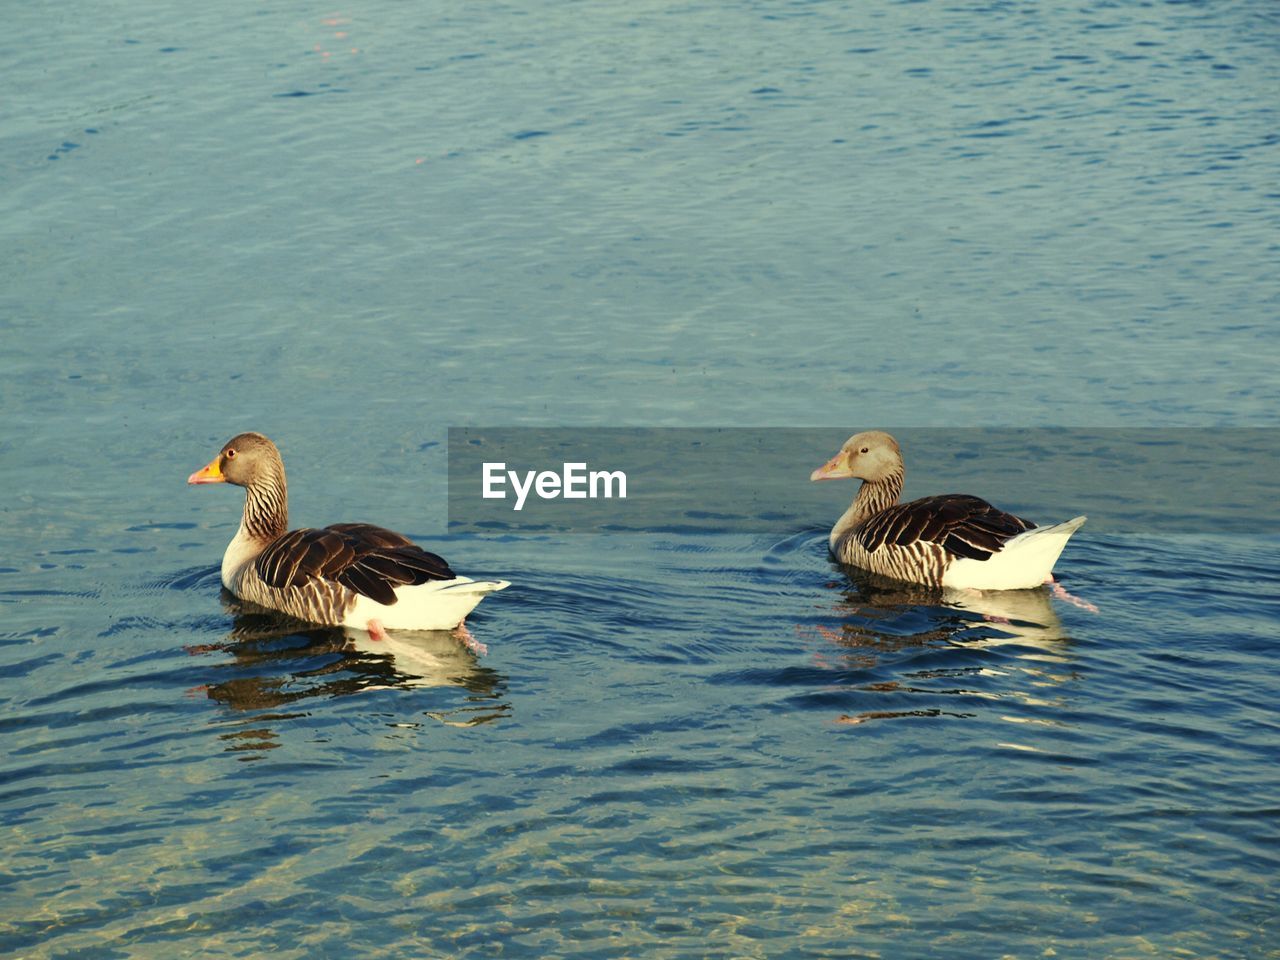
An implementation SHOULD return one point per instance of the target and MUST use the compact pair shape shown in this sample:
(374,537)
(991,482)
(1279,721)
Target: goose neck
(266,509)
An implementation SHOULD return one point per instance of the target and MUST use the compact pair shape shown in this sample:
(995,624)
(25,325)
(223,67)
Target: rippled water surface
(353,228)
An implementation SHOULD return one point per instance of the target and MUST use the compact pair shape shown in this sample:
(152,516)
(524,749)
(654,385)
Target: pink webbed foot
(376,630)
(1059,592)
(471,643)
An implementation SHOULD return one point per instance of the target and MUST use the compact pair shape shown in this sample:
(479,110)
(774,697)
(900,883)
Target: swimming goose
(953,540)
(348,574)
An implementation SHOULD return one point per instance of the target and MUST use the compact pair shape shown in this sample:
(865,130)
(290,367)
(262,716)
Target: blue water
(351,229)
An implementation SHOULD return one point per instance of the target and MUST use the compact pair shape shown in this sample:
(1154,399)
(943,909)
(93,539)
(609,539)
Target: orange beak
(209,474)
(833,469)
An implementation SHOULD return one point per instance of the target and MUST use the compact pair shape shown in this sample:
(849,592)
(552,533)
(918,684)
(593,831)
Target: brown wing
(369,560)
(964,526)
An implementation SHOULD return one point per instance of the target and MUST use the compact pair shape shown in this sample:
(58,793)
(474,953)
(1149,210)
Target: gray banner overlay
(707,480)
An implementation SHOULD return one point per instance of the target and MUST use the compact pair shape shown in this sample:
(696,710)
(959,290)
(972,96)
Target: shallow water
(710,746)
(751,214)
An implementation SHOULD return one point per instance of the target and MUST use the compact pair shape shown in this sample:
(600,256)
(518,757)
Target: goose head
(245,460)
(872,456)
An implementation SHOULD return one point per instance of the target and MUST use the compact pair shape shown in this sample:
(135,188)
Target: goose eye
(864,450)
(231,454)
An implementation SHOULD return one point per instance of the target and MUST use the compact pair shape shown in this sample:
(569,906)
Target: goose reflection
(883,623)
(277,662)
(884,612)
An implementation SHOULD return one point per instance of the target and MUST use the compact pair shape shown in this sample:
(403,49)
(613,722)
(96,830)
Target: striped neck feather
(266,508)
(873,496)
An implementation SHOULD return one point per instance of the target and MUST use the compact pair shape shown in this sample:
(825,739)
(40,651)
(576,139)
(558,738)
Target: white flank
(1025,561)
(436,605)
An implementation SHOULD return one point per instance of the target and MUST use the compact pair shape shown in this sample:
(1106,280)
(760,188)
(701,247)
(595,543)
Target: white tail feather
(435,605)
(1025,561)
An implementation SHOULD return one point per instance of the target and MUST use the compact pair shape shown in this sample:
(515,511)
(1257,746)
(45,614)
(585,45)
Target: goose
(348,574)
(953,540)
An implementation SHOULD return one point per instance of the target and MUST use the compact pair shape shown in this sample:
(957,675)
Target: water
(750,214)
